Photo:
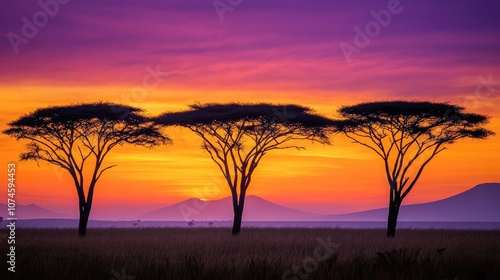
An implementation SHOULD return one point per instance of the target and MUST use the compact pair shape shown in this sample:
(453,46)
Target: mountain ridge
(32,211)
(220,210)
(477,204)
(457,208)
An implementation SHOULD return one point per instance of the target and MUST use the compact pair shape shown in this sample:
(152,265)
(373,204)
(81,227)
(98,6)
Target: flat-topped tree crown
(407,136)
(125,123)
(68,136)
(231,112)
(302,119)
(442,121)
(84,111)
(237,136)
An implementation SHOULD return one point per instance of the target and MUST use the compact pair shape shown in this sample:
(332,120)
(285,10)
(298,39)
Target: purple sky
(260,44)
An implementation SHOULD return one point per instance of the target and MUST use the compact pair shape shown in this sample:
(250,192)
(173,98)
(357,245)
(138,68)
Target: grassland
(212,253)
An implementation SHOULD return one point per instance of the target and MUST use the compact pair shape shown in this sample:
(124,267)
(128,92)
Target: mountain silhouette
(256,209)
(479,204)
(31,211)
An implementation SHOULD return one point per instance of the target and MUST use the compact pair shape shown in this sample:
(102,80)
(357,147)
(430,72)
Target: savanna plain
(256,253)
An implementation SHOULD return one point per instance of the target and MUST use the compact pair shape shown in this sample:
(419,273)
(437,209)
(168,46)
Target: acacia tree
(78,136)
(237,136)
(407,136)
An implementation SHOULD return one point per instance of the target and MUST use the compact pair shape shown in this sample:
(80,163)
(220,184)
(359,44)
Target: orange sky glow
(342,177)
(290,58)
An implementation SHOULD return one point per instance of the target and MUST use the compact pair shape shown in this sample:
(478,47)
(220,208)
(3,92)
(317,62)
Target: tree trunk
(84,218)
(393,218)
(238,213)
(85,207)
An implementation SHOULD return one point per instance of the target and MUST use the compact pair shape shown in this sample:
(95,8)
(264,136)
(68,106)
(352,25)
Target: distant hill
(32,211)
(479,204)
(256,209)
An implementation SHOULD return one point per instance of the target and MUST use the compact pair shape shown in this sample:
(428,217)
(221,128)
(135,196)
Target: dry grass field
(257,253)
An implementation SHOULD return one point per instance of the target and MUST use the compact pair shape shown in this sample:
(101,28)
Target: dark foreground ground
(257,253)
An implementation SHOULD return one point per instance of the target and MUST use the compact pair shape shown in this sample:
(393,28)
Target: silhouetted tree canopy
(407,136)
(237,136)
(55,121)
(417,118)
(68,136)
(289,115)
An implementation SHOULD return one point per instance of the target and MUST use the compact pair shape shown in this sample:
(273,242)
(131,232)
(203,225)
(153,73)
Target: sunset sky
(259,51)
